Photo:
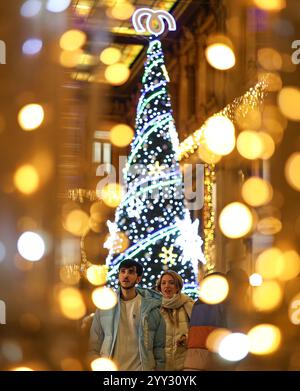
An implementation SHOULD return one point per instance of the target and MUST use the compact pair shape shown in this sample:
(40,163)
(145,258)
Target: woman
(176,309)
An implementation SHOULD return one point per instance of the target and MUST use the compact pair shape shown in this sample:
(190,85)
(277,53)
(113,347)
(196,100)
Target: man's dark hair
(127,263)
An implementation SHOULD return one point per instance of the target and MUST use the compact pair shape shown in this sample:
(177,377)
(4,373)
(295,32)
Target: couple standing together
(146,330)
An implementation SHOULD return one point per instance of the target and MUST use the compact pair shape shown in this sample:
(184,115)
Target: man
(132,333)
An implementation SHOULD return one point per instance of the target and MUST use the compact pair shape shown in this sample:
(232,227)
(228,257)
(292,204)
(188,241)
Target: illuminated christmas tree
(152,224)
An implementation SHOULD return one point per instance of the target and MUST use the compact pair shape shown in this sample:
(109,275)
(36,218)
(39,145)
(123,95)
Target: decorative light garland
(252,99)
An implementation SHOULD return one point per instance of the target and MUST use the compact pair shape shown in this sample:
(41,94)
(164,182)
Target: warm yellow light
(72,40)
(234,347)
(270,263)
(123,10)
(103,364)
(269,226)
(121,135)
(70,59)
(256,191)
(267,297)
(19,369)
(255,279)
(289,103)
(249,144)
(117,74)
(111,194)
(207,156)
(219,135)
(270,5)
(248,117)
(294,310)
(77,222)
(104,298)
(97,274)
(26,179)
(219,53)
(292,169)
(268,145)
(291,267)
(110,56)
(269,59)
(71,303)
(31,116)
(272,79)
(214,339)
(235,220)
(264,339)
(97,212)
(213,289)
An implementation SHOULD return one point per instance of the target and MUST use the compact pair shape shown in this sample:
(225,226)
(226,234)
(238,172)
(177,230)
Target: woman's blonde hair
(177,278)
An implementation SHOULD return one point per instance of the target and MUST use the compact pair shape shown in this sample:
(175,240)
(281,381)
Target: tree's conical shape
(152,224)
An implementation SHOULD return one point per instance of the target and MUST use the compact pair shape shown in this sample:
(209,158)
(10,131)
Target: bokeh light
(121,135)
(117,74)
(256,191)
(249,144)
(294,310)
(267,297)
(22,369)
(77,222)
(110,56)
(104,298)
(255,279)
(31,116)
(270,263)
(72,40)
(122,10)
(97,274)
(292,169)
(270,5)
(264,339)
(269,59)
(248,117)
(219,52)
(71,303)
(214,339)
(111,194)
(213,289)
(268,145)
(269,225)
(234,347)
(11,350)
(70,59)
(31,246)
(291,267)
(103,364)
(235,220)
(219,135)
(274,122)
(31,8)
(289,103)
(207,156)
(57,5)
(32,46)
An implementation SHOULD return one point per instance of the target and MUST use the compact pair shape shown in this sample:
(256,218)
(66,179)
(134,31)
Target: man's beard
(127,287)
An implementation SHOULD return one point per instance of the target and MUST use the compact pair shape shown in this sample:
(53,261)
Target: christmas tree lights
(152,213)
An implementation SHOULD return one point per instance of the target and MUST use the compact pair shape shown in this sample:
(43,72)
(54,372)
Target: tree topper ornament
(154,21)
